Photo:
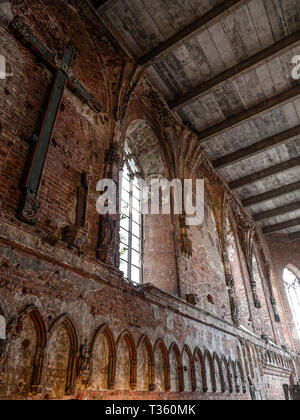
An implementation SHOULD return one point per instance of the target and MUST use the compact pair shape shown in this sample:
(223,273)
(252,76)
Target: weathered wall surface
(285,254)
(74,327)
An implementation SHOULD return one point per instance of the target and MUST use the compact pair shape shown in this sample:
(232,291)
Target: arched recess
(176,369)
(241,307)
(235,379)
(228,377)
(145,365)
(219,375)
(250,361)
(210,372)
(263,314)
(241,376)
(25,353)
(162,367)
(104,359)
(225,374)
(189,374)
(126,363)
(200,369)
(148,145)
(59,377)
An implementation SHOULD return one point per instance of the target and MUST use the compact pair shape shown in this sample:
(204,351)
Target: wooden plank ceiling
(225,67)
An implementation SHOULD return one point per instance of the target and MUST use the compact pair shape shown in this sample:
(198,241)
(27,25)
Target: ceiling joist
(289,208)
(294,236)
(270,195)
(257,148)
(266,173)
(217,14)
(281,226)
(248,65)
(254,112)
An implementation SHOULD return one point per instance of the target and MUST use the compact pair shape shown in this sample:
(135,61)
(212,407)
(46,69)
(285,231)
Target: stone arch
(24,353)
(104,359)
(235,379)
(176,369)
(126,363)
(59,377)
(145,365)
(250,361)
(227,384)
(241,376)
(162,367)
(188,370)
(145,146)
(210,372)
(235,262)
(200,369)
(220,385)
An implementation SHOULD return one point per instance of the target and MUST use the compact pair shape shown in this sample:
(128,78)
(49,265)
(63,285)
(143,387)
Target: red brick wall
(66,292)
(285,254)
(159,253)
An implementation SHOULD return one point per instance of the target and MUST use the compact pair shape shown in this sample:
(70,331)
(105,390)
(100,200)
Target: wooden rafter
(219,13)
(266,173)
(257,148)
(289,208)
(251,113)
(294,236)
(281,226)
(270,195)
(251,63)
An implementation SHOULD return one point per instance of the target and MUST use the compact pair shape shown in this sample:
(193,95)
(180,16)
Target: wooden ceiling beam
(265,173)
(251,63)
(270,195)
(254,112)
(294,236)
(288,208)
(281,226)
(257,148)
(217,14)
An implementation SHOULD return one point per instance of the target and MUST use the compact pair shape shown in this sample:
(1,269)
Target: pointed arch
(144,341)
(211,370)
(176,375)
(199,362)
(250,361)
(40,327)
(161,347)
(64,329)
(235,381)
(128,339)
(24,353)
(241,374)
(111,363)
(219,370)
(227,375)
(190,373)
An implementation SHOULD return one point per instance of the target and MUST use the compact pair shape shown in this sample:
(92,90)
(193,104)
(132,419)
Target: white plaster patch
(2,328)
(5,11)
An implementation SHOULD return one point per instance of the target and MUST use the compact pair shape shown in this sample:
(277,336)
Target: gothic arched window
(292,287)
(131,222)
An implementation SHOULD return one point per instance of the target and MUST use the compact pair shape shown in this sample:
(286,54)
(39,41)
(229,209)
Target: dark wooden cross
(61,66)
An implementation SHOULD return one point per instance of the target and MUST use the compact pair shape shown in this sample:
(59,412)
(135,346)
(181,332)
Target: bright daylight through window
(131,222)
